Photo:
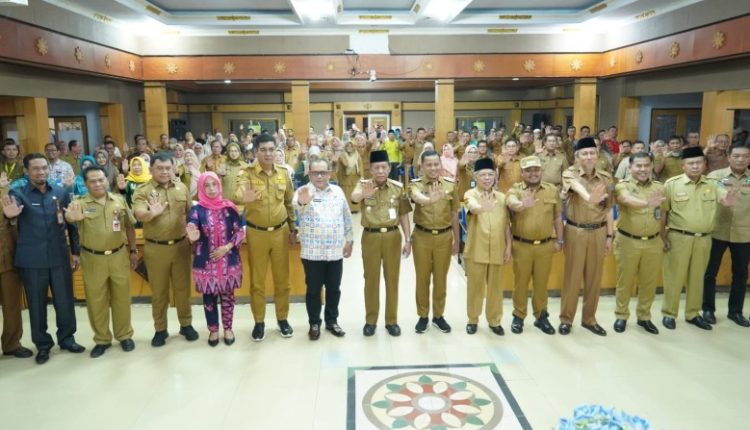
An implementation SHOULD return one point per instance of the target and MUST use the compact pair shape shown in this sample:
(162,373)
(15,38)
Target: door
(670,122)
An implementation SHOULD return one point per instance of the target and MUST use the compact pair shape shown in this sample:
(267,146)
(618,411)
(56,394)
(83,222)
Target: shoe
(564,328)
(228,340)
(738,319)
(620,325)
(700,323)
(259,332)
(335,330)
(669,323)
(213,342)
(189,332)
(285,329)
(471,328)
(441,324)
(393,329)
(709,317)
(73,347)
(596,329)
(127,345)
(21,352)
(314,333)
(517,325)
(99,350)
(160,338)
(368,330)
(648,326)
(421,326)
(543,324)
(42,356)
(498,330)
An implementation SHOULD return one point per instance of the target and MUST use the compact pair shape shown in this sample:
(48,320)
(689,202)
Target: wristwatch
(560,241)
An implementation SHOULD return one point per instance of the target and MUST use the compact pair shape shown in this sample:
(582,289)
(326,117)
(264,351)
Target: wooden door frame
(676,111)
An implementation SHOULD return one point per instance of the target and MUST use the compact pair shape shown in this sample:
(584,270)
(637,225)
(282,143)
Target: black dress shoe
(189,333)
(738,319)
(228,341)
(498,330)
(700,323)
(335,330)
(648,326)
(543,324)
(595,328)
(99,350)
(393,329)
(160,338)
(73,347)
(127,345)
(564,328)
(421,326)
(441,324)
(471,328)
(620,325)
(709,317)
(259,332)
(516,326)
(314,333)
(669,323)
(213,342)
(368,330)
(42,356)
(21,352)
(285,330)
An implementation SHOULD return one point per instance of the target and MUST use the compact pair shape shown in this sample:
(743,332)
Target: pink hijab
(449,161)
(217,202)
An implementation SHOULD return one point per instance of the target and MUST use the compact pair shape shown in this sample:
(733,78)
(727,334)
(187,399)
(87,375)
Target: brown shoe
(314,332)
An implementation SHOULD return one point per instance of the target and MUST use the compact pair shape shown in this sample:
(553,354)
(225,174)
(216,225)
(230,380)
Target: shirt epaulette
(673,178)
(416,180)
(396,183)
(447,179)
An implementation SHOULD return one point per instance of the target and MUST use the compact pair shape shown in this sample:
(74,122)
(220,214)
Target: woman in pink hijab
(449,162)
(215,231)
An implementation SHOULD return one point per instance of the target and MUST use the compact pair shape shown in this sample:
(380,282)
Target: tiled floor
(683,379)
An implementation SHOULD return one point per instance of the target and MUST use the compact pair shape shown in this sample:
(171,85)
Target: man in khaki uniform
(588,236)
(435,216)
(162,204)
(690,214)
(638,250)
(732,230)
(487,248)
(669,165)
(384,207)
(537,234)
(553,161)
(105,225)
(266,192)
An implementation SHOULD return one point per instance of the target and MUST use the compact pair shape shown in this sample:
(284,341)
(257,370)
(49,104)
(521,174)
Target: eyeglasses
(320,173)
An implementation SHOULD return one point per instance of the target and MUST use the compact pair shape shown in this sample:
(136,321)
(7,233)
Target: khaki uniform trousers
(169,265)
(10,295)
(484,280)
(432,258)
(106,281)
(584,252)
(685,264)
(381,249)
(262,247)
(636,259)
(531,263)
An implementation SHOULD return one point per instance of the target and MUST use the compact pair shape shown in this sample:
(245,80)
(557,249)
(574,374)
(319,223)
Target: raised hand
(368,189)
(487,201)
(74,212)
(655,199)
(731,198)
(155,206)
(4,182)
(192,231)
(250,194)
(11,209)
(124,166)
(121,184)
(711,141)
(304,196)
(435,192)
(529,200)
(69,178)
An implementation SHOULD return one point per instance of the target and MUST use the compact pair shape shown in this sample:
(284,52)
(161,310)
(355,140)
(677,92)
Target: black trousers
(36,283)
(395,172)
(317,275)
(740,253)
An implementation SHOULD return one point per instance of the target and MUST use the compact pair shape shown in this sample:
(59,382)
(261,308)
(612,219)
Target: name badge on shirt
(116,226)
(392,213)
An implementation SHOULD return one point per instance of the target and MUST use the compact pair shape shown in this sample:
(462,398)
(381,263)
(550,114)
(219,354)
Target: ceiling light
(445,10)
(314,10)
(227,81)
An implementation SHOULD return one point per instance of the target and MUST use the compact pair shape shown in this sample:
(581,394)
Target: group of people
(526,196)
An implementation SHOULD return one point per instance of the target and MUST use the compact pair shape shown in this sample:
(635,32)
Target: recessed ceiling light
(227,81)
(516,79)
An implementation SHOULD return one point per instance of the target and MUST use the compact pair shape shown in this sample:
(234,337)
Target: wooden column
(112,118)
(156,112)
(33,123)
(584,104)
(288,118)
(558,118)
(301,109)
(717,116)
(445,114)
(217,122)
(515,117)
(628,118)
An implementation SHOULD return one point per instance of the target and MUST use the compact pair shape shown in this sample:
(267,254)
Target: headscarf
(352,160)
(217,202)
(449,162)
(229,160)
(109,169)
(79,184)
(145,175)
(194,172)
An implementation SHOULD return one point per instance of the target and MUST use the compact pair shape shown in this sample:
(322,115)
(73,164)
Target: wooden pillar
(155,115)
(33,123)
(445,114)
(113,122)
(717,117)
(301,109)
(628,118)
(558,118)
(515,117)
(288,118)
(217,121)
(584,104)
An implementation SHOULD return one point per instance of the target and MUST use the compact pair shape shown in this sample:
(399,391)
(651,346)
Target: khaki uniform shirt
(75,162)
(291,155)
(97,230)
(553,166)
(579,210)
(604,162)
(171,223)
(692,205)
(641,222)
(568,148)
(212,163)
(733,224)
(385,207)
(507,173)
(672,166)
(14,170)
(8,236)
(436,215)
(526,149)
(536,222)
(275,202)
(485,242)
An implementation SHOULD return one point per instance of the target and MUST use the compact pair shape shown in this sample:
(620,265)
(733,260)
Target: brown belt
(632,236)
(107,252)
(276,227)
(166,242)
(533,242)
(434,231)
(594,226)
(380,229)
(689,233)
